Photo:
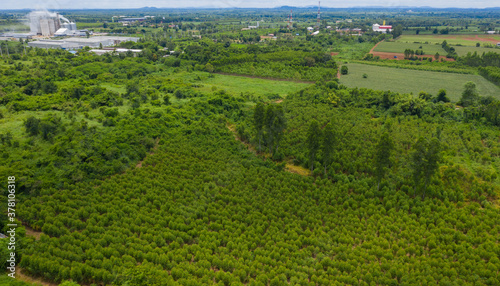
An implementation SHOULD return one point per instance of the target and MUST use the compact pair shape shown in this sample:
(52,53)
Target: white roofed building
(381,28)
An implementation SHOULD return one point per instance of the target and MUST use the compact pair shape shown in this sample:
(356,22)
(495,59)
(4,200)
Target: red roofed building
(384,28)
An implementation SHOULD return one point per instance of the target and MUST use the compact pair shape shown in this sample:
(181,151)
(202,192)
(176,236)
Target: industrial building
(100,52)
(44,23)
(382,28)
(69,29)
(79,43)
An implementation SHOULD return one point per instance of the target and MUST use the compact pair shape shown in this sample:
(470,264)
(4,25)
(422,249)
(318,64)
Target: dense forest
(169,168)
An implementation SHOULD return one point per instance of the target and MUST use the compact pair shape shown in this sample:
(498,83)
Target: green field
(462,51)
(400,47)
(465,40)
(238,84)
(413,81)
(429,49)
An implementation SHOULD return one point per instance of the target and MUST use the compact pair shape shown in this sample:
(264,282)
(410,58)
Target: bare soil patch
(401,56)
(482,39)
(31,232)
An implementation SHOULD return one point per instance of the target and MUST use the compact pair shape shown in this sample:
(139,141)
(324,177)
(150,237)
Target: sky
(106,4)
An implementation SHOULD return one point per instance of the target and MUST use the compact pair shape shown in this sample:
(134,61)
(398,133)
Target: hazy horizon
(128,4)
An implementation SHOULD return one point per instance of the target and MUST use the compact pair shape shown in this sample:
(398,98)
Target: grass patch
(114,87)
(431,48)
(400,47)
(414,81)
(235,85)
(466,40)
(462,51)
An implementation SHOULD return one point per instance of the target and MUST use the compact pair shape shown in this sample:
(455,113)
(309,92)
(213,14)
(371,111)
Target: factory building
(382,28)
(117,50)
(79,43)
(44,23)
(69,29)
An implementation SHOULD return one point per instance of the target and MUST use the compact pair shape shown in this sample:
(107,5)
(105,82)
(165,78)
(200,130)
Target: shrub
(344,70)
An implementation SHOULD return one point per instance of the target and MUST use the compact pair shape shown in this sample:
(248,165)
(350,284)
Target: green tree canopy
(313,141)
(383,157)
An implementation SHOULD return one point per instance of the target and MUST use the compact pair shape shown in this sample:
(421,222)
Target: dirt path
(232,128)
(28,279)
(371,51)
(32,232)
(261,77)
(288,167)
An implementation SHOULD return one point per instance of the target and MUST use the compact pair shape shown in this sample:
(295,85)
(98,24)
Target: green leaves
(383,153)
(313,141)
(274,124)
(425,162)
(32,126)
(470,95)
(329,142)
(259,121)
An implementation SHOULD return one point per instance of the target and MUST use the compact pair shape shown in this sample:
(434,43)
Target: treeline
(491,73)
(489,59)
(451,53)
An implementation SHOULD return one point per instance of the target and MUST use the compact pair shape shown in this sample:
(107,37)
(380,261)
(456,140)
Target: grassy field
(462,51)
(470,30)
(465,40)
(413,81)
(429,49)
(400,47)
(238,84)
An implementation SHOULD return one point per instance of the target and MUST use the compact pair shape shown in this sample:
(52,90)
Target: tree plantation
(227,155)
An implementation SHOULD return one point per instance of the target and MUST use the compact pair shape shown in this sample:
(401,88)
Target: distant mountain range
(379,7)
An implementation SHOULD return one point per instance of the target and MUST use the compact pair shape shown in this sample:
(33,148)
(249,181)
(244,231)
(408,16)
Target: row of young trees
(312,114)
(424,159)
(203,209)
(320,140)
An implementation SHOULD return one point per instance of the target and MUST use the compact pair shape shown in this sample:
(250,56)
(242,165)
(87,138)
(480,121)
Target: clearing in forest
(240,84)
